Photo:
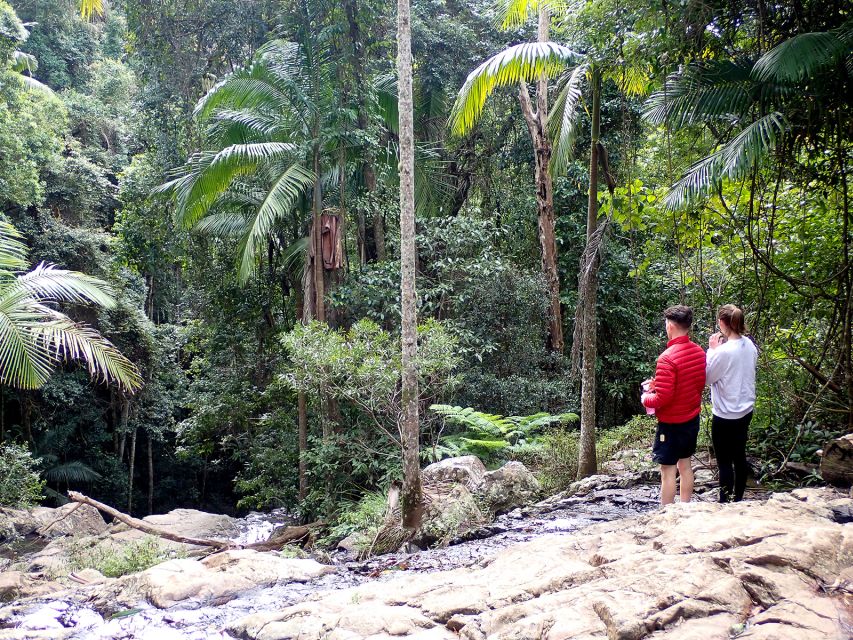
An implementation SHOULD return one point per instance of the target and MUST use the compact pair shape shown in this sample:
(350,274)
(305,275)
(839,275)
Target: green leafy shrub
(559,458)
(115,561)
(494,438)
(20,483)
(363,517)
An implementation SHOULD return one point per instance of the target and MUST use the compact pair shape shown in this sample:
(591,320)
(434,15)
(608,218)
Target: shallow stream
(553,516)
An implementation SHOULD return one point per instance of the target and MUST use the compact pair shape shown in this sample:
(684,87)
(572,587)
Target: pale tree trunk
(537,124)
(588,286)
(131,459)
(411,497)
(150,475)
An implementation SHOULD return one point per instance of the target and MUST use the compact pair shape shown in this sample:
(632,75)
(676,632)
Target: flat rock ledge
(773,570)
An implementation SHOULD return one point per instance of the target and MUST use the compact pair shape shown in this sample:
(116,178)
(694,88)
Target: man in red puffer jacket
(675,393)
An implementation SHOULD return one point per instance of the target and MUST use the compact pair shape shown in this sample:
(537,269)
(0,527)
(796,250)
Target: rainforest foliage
(225,174)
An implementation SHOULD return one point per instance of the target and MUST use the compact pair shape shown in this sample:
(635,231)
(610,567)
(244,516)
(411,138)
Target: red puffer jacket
(679,381)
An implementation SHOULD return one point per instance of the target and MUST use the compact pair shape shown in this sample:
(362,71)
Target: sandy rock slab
(778,569)
(214,580)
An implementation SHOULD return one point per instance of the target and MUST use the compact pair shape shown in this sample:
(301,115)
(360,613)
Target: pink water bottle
(646,387)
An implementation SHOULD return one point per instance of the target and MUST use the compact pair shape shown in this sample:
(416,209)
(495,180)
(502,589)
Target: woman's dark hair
(733,317)
(680,315)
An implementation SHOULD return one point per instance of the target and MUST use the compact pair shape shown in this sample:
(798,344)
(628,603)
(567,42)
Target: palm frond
(64,339)
(279,201)
(24,62)
(514,13)
(48,283)
(732,161)
(24,363)
(804,56)
(89,8)
(13,251)
(562,120)
(702,92)
(632,79)
(522,62)
(74,472)
(224,224)
(207,175)
(292,258)
(385,87)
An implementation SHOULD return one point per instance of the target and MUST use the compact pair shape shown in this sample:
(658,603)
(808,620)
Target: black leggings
(729,438)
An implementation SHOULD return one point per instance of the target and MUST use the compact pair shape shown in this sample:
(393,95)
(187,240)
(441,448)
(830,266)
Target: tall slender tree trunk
(302,409)
(319,282)
(411,497)
(587,462)
(150,474)
(367,171)
(131,461)
(537,124)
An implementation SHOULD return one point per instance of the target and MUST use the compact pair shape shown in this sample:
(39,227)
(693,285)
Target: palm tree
(518,65)
(553,138)
(756,102)
(35,337)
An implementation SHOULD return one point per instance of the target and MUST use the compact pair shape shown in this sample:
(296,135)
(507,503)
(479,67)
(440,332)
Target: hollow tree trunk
(587,462)
(538,128)
(411,497)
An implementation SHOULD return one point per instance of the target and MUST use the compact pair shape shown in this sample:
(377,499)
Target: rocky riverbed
(600,561)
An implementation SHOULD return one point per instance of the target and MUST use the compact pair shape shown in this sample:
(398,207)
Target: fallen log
(147,528)
(283,536)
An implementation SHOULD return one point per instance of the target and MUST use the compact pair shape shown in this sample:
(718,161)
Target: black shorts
(673,442)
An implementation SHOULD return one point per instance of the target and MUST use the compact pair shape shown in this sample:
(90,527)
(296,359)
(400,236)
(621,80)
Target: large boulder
(449,513)
(70,519)
(510,486)
(214,580)
(773,570)
(183,522)
(465,470)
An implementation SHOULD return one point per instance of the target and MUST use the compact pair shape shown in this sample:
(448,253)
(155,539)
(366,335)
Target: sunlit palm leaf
(66,340)
(88,8)
(804,56)
(522,62)
(733,161)
(48,283)
(13,252)
(514,13)
(24,363)
(562,120)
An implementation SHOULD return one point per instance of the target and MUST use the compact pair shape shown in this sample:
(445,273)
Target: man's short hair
(680,315)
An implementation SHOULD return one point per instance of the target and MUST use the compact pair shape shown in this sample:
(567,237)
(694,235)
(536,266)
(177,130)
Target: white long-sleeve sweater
(730,372)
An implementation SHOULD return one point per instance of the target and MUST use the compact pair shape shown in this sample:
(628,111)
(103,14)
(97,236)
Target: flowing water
(554,516)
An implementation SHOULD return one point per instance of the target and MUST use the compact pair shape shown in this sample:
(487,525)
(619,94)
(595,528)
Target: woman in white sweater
(730,372)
